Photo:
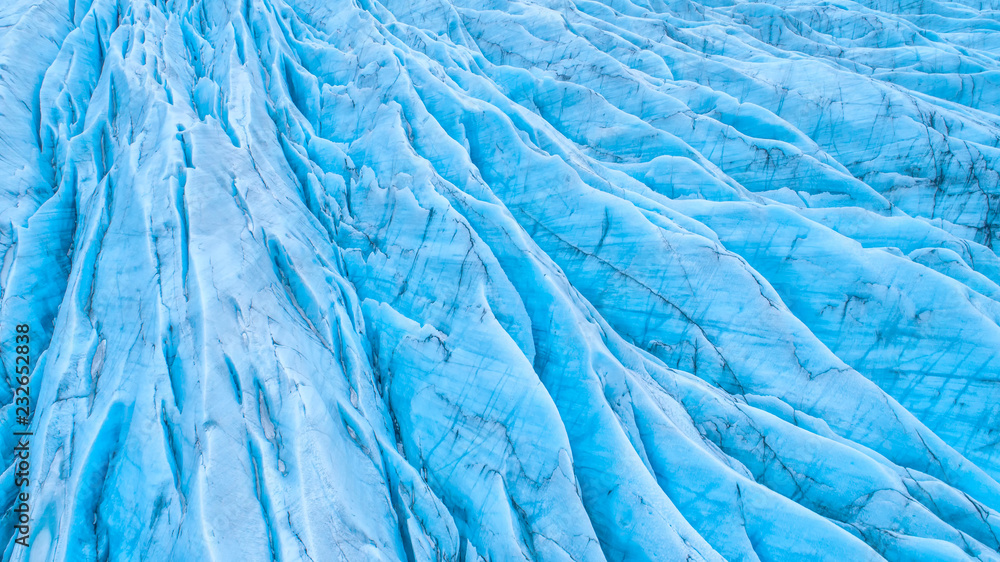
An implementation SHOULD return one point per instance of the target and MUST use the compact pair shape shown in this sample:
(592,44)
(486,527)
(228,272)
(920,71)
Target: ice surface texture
(507,280)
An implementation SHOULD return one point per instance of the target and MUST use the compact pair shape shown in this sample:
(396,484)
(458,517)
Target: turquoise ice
(568,280)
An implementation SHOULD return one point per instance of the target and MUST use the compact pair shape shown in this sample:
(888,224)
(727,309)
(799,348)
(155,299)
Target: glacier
(572,280)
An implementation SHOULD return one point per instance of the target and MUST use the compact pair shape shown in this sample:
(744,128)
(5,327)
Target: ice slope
(489,280)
